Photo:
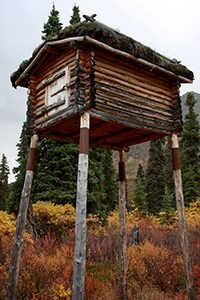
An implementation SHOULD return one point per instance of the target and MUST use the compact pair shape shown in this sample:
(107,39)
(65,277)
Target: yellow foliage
(60,293)
(131,218)
(53,217)
(193,214)
(7,223)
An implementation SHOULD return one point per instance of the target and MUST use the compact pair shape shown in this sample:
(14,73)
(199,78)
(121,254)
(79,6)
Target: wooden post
(123,234)
(21,220)
(185,247)
(81,202)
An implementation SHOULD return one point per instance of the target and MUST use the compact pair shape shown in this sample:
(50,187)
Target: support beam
(183,231)
(123,233)
(21,220)
(81,203)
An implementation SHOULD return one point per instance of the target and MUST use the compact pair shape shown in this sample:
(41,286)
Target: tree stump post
(123,233)
(21,220)
(81,203)
(183,231)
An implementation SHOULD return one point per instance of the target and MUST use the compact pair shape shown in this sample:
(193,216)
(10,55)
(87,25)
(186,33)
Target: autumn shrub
(102,280)
(54,218)
(150,265)
(46,270)
(7,230)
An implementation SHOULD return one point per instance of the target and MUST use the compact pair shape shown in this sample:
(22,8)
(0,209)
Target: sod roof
(116,40)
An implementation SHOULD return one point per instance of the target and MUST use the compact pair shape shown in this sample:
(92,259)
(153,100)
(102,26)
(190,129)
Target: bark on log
(81,202)
(183,231)
(21,221)
(123,234)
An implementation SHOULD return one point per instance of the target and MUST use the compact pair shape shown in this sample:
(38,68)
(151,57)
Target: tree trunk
(184,239)
(81,203)
(21,220)
(123,234)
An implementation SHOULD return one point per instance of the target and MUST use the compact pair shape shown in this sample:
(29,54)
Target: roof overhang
(22,79)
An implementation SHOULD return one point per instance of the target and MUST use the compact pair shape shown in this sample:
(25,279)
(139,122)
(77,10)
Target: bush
(150,265)
(53,218)
(46,270)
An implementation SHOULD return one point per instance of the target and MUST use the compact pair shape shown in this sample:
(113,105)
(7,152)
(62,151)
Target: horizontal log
(48,108)
(55,63)
(141,121)
(130,122)
(131,99)
(129,77)
(57,117)
(121,83)
(134,107)
(134,69)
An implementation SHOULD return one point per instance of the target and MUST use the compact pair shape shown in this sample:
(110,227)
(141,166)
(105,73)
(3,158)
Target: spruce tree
(190,149)
(56,173)
(102,182)
(4,188)
(169,202)
(139,195)
(19,171)
(53,25)
(155,180)
(75,18)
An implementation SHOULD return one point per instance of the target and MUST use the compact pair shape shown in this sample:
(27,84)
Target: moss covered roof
(114,39)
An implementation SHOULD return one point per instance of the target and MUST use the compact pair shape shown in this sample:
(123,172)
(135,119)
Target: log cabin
(131,91)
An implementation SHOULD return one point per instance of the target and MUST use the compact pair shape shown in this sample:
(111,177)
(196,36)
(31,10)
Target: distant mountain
(138,154)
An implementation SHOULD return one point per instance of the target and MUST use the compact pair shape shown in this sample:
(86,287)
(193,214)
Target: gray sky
(170,27)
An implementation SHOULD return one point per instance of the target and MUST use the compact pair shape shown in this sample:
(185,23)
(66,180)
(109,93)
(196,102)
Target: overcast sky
(170,27)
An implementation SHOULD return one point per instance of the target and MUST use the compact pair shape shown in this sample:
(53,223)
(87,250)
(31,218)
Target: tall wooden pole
(21,220)
(185,247)
(81,203)
(123,234)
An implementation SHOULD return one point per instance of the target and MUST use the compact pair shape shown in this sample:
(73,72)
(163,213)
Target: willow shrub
(56,219)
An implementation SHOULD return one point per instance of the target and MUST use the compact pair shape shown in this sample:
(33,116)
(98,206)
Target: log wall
(140,96)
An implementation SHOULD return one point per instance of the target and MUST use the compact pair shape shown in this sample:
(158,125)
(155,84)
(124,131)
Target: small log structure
(128,93)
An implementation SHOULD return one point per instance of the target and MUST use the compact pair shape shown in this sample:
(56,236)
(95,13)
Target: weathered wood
(81,202)
(21,221)
(123,233)
(129,81)
(184,239)
(50,80)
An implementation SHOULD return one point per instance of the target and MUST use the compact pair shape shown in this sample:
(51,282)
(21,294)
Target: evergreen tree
(53,25)
(16,187)
(190,149)
(155,180)
(110,181)
(56,173)
(102,182)
(169,202)
(75,18)
(139,195)
(4,172)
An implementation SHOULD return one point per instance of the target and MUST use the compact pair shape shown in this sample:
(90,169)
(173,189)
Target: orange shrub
(150,265)
(45,266)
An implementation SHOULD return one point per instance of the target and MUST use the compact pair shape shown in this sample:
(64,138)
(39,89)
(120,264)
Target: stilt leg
(185,247)
(122,216)
(21,220)
(81,202)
